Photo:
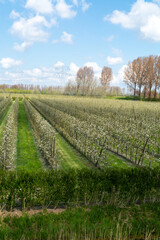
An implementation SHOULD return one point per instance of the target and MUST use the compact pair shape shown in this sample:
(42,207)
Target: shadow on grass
(136,98)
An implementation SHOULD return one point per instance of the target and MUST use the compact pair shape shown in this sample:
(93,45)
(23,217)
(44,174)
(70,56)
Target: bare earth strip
(19,213)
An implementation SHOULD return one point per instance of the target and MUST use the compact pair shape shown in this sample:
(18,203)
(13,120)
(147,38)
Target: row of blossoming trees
(142,76)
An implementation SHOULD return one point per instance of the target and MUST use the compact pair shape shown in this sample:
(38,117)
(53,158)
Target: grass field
(104,223)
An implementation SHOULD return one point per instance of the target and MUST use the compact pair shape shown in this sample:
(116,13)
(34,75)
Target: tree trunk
(134,92)
(155,91)
(149,96)
(144,92)
(140,91)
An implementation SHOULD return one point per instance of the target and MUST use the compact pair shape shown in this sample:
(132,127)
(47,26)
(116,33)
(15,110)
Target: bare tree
(150,74)
(106,77)
(85,80)
(140,65)
(130,76)
(79,79)
(156,75)
(142,75)
(70,88)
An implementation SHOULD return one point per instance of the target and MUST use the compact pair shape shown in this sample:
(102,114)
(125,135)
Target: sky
(45,42)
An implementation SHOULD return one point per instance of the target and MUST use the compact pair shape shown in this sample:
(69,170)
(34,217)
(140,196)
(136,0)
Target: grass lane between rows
(27,154)
(70,157)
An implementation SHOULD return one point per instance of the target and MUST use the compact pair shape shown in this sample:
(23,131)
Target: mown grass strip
(70,157)
(27,155)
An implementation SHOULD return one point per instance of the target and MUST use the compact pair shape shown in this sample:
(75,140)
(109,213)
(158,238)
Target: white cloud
(114,60)
(85,5)
(31,29)
(64,10)
(59,64)
(35,72)
(143,16)
(40,6)
(115,80)
(14,14)
(94,65)
(73,68)
(9,62)
(67,38)
(118,79)
(57,75)
(75,2)
(22,47)
(151,30)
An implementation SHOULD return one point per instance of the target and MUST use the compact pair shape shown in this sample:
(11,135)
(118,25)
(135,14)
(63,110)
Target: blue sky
(46,41)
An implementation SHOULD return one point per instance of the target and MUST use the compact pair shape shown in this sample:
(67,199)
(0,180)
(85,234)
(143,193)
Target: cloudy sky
(46,41)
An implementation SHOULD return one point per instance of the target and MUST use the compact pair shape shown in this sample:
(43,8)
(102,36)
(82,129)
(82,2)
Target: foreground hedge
(85,187)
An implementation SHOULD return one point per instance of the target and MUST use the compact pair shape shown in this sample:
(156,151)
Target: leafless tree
(85,80)
(130,76)
(142,75)
(106,77)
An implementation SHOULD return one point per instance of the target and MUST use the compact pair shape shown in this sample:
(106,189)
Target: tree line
(142,76)
(87,84)
(30,88)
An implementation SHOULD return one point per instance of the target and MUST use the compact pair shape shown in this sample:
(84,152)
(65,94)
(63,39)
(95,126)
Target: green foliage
(74,188)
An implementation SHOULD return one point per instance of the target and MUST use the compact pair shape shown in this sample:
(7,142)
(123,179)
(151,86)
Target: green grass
(136,98)
(70,157)
(27,154)
(101,223)
(116,161)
